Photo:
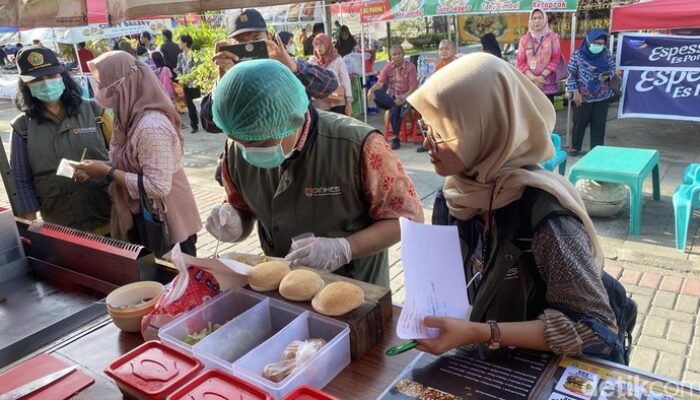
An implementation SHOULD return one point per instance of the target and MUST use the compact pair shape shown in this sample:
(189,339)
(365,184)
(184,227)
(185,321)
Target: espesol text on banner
(661,94)
(659,52)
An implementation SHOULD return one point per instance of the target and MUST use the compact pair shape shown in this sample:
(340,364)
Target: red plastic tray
(153,370)
(218,384)
(308,393)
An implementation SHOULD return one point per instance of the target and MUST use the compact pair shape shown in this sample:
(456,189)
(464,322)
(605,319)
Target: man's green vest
(318,191)
(62,201)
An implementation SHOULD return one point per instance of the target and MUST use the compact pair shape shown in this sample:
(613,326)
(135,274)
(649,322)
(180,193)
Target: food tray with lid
(152,371)
(219,385)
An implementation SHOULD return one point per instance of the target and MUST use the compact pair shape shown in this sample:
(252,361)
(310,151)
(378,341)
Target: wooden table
(95,347)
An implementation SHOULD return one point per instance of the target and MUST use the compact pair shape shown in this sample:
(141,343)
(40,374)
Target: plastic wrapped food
(307,346)
(295,354)
(278,371)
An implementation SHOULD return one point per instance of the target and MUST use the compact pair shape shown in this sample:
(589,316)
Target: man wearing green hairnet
(297,171)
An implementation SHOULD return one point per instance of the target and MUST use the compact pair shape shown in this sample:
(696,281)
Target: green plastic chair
(559,159)
(691,174)
(685,199)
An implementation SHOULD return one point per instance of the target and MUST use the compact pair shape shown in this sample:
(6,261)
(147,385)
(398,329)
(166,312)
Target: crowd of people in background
(290,133)
(538,57)
(144,150)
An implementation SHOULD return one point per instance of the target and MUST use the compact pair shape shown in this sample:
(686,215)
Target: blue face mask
(596,48)
(48,90)
(264,157)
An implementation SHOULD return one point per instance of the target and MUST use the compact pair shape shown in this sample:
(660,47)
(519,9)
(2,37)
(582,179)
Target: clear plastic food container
(317,371)
(245,332)
(220,310)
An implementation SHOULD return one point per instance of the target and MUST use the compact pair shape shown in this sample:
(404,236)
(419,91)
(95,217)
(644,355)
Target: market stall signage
(661,94)
(662,77)
(373,11)
(659,52)
(294,13)
(388,10)
(105,31)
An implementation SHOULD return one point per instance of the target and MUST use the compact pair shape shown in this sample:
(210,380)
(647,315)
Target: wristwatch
(110,175)
(495,342)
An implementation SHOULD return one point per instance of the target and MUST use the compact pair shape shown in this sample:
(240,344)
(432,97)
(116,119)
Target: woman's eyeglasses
(433,138)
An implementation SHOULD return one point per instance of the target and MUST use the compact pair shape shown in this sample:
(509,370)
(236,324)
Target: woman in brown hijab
(529,247)
(147,140)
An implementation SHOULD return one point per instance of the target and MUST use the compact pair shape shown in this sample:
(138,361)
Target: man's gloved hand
(326,254)
(224,223)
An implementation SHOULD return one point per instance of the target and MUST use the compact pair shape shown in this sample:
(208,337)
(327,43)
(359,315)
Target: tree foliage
(204,39)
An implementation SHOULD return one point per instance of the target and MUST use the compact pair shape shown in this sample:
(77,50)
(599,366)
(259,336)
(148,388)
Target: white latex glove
(326,254)
(224,223)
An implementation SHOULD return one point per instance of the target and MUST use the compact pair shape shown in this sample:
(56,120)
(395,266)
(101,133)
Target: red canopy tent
(97,11)
(656,14)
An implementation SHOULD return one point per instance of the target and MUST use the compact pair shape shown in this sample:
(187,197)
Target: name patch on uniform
(310,192)
(511,274)
(83,131)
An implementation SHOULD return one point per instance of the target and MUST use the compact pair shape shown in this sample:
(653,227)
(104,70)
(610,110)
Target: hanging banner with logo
(508,27)
(105,31)
(295,13)
(661,94)
(659,52)
(662,76)
(37,13)
(388,10)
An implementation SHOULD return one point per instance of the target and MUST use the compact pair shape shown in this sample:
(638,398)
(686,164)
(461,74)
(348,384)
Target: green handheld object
(404,347)
(84,154)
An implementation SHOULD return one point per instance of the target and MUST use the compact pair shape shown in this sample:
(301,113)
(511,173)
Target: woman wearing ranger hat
(57,123)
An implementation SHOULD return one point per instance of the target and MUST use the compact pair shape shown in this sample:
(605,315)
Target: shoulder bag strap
(143,201)
(97,110)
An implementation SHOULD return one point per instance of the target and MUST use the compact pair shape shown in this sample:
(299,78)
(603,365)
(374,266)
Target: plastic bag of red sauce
(191,287)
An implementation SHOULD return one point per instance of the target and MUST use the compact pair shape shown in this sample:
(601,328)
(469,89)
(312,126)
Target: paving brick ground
(664,282)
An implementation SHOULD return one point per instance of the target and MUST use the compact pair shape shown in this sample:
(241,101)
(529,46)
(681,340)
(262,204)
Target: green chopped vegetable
(194,337)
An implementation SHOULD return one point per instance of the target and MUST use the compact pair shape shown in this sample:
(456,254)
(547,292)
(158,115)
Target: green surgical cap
(259,100)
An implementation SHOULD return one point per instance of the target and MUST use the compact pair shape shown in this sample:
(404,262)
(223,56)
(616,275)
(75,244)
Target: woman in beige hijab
(530,250)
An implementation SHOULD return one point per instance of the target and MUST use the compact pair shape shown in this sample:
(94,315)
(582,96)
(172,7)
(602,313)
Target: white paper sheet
(65,168)
(433,277)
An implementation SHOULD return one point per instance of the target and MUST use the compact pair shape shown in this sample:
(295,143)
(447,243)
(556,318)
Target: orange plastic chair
(409,127)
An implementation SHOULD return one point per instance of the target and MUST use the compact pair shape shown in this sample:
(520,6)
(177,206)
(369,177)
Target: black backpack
(625,310)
